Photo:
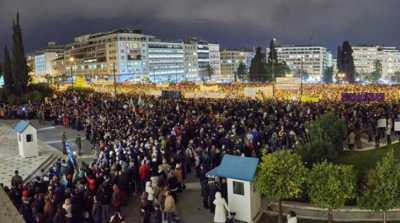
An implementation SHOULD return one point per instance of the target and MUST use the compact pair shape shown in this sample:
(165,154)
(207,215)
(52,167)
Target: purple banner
(363,97)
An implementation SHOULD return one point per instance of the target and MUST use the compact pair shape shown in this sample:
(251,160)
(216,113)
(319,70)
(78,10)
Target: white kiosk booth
(243,199)
(27,139)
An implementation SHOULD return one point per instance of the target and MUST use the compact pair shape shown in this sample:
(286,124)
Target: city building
(366,56)
(305,60)
(121,52)
(230,60)
(215,60)
(166,62)
(130,55)
(41,62)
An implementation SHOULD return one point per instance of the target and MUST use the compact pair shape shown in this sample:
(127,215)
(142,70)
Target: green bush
(327,137)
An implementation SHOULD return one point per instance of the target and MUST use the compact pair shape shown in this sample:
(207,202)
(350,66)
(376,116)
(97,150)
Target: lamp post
(301,77)
(115,81)
(71,60)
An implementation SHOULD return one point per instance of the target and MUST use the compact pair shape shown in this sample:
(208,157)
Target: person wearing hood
(220,208)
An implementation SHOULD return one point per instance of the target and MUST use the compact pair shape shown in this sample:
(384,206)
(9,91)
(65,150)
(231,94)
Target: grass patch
(274,219)
(363,161)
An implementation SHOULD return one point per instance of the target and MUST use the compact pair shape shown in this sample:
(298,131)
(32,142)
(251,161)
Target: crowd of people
(148,146)
(322,92)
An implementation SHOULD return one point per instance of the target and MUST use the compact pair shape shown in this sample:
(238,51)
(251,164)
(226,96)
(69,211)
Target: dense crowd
(323,92)
(147,146)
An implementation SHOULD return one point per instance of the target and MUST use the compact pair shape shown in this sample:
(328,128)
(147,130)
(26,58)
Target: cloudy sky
(232,23)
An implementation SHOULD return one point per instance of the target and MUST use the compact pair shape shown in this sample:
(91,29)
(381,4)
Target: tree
(9,81)
(241,71)
(377,74)
(257,67)
(383,186)
(276,70)
(396,77)
(273,54)
(346,61)
(328,75)
(20,68)
(326,139)
(330,186)
(209,71)
(281,175)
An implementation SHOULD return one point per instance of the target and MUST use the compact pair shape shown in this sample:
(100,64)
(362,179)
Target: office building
(122,52)
(130,55)
(305,60)
(166,62)
(230,60)
(365,58)
(215,60)
(41,62)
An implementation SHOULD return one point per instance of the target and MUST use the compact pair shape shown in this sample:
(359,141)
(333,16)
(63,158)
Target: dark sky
(232,23)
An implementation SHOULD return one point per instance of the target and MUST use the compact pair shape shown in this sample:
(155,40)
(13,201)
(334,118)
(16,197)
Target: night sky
(232,23)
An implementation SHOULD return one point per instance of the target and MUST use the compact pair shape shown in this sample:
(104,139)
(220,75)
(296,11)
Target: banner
(397,126)
(209,88)
(215,95)
(363,97)
(70,154)
(382,123)
(258,92)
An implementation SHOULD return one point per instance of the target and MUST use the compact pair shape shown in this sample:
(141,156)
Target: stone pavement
(11,161)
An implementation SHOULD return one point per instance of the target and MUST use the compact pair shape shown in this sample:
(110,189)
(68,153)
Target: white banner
(382,123)
(397,126)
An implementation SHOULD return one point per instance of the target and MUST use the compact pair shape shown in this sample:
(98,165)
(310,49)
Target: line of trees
(15,68)
(285,175)
(263,70)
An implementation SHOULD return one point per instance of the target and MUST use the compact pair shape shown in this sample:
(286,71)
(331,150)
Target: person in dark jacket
(97,214)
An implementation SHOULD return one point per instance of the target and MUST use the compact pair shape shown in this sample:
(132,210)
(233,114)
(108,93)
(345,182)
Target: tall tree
(346,61)
(209,71)
(241,71)
(377,74)
(328,75)
(273,54)
(383,186)
(330,186)
(281,175)
(257,67)
(20,68)
(9,81)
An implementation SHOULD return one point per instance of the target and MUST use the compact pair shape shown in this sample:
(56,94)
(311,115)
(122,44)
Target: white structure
(309,60)
(243,199)
(134,56)
(365,58)
(27,140)
(230,61)
(43,60)
(215,59)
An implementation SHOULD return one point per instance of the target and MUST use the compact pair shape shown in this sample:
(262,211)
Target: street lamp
(71,60)
(341,76)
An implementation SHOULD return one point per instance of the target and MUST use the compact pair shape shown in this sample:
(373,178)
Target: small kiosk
(243,199)
(27,139)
